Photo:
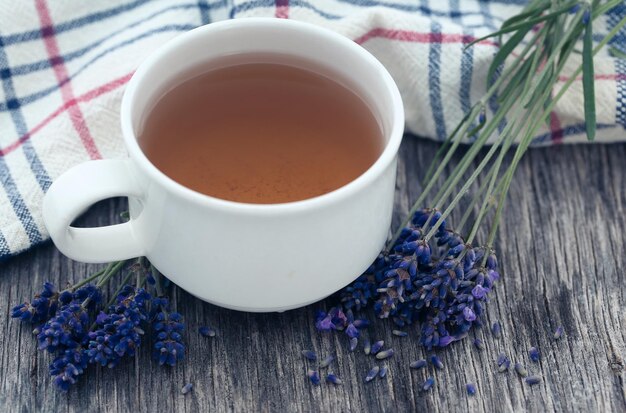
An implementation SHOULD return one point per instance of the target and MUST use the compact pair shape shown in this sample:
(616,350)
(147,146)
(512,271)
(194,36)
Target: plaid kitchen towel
(64,64)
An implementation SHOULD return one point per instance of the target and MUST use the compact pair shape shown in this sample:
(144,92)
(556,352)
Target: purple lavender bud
(418,364)
(469,314)
(186,388)
(575,8)
(399,333)
(326,362)
(352,331)
(479,344)
(309,355)
(353,343)
(586,17)
(314,377)
(436,362)
(361,323)
(383,372)
(331,378)
(482,117)
(471,389)
(501,358)
(558,333)
(428,384)
(479,291)
(503,363)
(496,329)
(382,355)
(521,370)
(372,373)
(367,347)
(377,346)
(207,331)
(445,340)
(534,354)
(532,380)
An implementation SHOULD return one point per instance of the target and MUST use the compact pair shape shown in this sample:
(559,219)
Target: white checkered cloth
(64,64)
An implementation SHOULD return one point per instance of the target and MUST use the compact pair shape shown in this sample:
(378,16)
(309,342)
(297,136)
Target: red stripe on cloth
(282,9)
(556,131)
(60,71)
(420,37)
(608,76)
(92,94)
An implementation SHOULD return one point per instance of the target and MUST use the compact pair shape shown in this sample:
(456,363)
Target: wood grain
(562,250)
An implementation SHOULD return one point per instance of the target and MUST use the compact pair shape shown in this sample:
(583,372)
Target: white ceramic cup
(252,257)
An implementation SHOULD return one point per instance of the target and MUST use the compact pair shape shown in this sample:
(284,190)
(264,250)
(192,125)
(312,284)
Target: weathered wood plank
(562,249)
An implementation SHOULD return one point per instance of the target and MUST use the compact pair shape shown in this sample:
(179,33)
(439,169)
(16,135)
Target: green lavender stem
(533,128)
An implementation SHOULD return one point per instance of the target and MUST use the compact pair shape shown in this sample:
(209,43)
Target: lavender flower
(314,377)
(326,362)
(169,348)
(66,367)
(479,344)
(309,355)
(399,333)
(558,333)
(471,389)
(532,380)
(383,372)
(534,354)
(372,374)
(428,384)
(503,363)
(385,354)
(521,370)
(168,326)
(436,362)
(66,330)
(441,284)
(377,346)
(207,331)
(119,330)
(332,378)
(40,308)
(186,388)
(353,343)
(496,329)
(418,364)
(367,347)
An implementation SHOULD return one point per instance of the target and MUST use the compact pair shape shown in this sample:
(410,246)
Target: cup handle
(75,191)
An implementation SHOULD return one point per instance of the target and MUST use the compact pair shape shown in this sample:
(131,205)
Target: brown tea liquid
(261,133)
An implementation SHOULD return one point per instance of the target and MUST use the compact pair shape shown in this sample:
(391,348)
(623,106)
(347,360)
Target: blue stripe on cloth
(423,9)
(13,194)
(13,104)
(17,202)
(487,15)
(434,81)
(4,247)
(467,71)
(68,57)
(467,66)
(243,7)
(204,12)
(620,109)
(73,24)
(578,129)
(45,92)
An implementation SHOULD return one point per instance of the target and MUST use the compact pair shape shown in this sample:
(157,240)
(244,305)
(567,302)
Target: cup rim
(374,171)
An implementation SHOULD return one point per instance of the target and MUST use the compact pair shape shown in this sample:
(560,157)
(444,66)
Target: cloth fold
(64,64)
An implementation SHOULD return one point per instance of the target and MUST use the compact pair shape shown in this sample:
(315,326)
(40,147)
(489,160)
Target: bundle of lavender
(438,276)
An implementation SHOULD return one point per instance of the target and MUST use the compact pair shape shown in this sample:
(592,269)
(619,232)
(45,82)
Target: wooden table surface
(562,251)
